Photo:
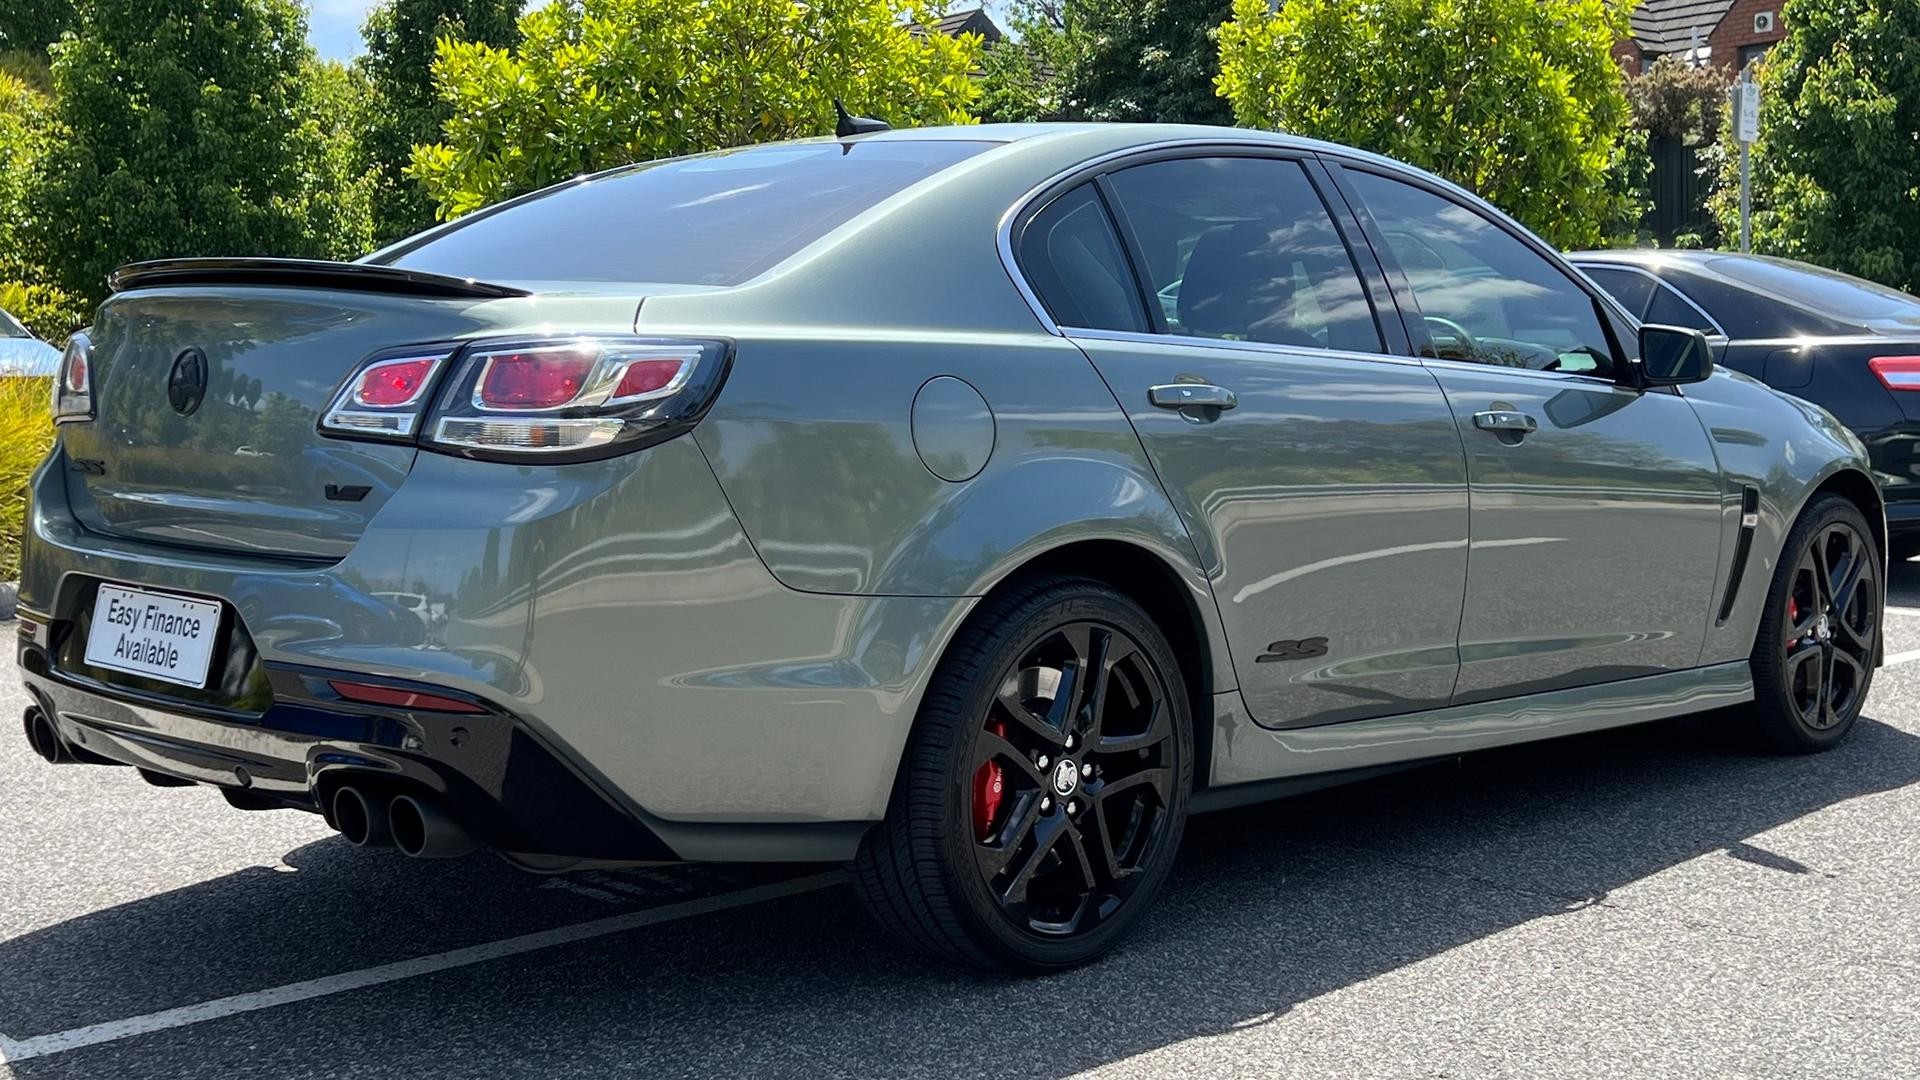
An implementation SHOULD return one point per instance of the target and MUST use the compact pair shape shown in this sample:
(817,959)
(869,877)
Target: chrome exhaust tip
(424,830)
(360,818)
(44,738)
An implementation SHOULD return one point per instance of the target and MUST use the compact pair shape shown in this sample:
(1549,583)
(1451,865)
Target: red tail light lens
(386,398)
(73,389)
(391,383)
(1897,372)
(535,378)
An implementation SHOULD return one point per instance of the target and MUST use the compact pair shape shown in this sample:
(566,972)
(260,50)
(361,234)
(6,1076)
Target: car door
(1597,508)
(1322,480)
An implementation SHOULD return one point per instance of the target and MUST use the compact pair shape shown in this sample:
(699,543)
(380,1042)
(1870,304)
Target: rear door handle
(1504,420)
(1191,396)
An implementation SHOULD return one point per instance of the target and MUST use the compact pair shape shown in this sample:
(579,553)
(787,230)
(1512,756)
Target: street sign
(1746,111)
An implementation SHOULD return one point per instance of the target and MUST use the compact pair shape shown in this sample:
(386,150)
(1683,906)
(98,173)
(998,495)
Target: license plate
(153,634)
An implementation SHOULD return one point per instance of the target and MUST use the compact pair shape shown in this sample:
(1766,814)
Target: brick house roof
(1666,26)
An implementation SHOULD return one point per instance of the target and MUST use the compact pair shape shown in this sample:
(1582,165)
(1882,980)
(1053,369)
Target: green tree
(27,130)
(1519,101)
(190,128)
(1020,75)
(32,25)
(404,111)
(598,83)
(1154,61)
(1833,172)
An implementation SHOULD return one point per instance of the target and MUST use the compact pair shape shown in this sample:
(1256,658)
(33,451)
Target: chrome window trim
(1136,337)
(1088,169)
(1658,283)
(1557,376)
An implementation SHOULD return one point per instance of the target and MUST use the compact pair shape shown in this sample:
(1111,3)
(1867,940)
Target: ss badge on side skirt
(1303,649)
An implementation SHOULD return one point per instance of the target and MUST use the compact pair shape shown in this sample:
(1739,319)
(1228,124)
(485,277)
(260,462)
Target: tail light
(386,397)
(554,399)
(73,383)
(1897,372)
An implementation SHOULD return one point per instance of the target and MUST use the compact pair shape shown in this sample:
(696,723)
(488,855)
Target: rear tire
(1814,656)
(986,857)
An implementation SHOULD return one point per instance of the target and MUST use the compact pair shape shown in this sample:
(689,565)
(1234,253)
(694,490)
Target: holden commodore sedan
(971,505)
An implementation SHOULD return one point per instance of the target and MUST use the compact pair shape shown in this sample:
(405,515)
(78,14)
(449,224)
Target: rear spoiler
(302,273)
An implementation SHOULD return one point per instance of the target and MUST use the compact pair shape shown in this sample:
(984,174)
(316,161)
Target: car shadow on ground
(1270,907)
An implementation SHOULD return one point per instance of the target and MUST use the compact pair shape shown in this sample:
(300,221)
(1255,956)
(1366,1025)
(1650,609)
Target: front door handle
(1505,420)
(1191,396)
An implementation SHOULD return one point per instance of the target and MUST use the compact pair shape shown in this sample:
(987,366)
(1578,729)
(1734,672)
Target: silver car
(970,505)
(22,354)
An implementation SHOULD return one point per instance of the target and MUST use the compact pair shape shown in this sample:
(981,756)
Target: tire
(1814,656)
(990,860)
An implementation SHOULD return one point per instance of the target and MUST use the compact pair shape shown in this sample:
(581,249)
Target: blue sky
(333,26)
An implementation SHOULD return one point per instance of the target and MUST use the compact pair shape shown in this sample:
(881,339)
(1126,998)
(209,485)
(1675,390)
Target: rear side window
(1242,248)
(716,219)
(1631,288)
(1668,309)
(1748,314)
(1074,263)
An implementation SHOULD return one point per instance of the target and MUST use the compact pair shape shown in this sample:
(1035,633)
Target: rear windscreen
(717,219)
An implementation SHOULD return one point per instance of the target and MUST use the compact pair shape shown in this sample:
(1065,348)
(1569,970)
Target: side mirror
(1673,355)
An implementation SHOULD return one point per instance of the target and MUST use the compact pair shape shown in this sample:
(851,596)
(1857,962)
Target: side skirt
(1245,753)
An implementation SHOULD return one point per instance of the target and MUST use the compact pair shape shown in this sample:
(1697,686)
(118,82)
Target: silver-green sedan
(968,504)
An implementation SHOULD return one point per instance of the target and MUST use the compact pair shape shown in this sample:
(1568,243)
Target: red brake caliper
(1793,619)
(989,787)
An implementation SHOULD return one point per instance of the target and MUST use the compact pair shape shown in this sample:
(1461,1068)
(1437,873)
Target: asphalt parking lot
(1643,902)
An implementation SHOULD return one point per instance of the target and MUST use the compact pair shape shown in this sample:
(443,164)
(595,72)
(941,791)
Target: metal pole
(1746,199)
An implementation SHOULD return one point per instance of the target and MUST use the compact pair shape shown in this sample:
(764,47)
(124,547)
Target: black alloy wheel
(1044,791)
(1073,779)
(1819,638)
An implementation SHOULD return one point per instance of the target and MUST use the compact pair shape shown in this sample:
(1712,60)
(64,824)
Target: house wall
(1736,30)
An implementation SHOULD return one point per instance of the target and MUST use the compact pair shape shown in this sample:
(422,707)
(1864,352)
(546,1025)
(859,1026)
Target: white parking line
(1900,658)
(13,1051)
(1891,610)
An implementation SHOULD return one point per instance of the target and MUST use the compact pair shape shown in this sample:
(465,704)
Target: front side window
(1242,248)
(1073,260)
(1486,296)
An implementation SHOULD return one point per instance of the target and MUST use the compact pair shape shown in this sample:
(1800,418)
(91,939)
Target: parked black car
(1841,342)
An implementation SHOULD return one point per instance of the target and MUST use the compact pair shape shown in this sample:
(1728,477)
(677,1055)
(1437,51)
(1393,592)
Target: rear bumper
(506,787)
(611,616)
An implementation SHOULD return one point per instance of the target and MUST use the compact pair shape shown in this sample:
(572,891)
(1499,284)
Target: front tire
(988,857)
(1814,656)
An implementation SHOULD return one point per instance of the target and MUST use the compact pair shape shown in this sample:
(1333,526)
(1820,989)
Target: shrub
(1519,101)
(26,431)
(599,83)
(1833,172)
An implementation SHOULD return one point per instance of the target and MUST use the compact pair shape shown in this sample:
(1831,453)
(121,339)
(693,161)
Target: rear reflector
(1897,372)
(395,698)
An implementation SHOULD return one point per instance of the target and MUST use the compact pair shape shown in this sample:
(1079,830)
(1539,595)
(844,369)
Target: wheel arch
(1857,488)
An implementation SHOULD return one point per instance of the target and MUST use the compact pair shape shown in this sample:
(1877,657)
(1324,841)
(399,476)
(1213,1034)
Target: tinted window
(1487,297)
(1668,309)
(716,219)
(1243,249)
(1631,288)
(9,327)
(1827,292)
(1073,261)
(1746,313)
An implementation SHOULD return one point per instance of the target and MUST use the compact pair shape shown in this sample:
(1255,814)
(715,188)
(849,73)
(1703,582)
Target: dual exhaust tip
(45,739)
(419,827)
